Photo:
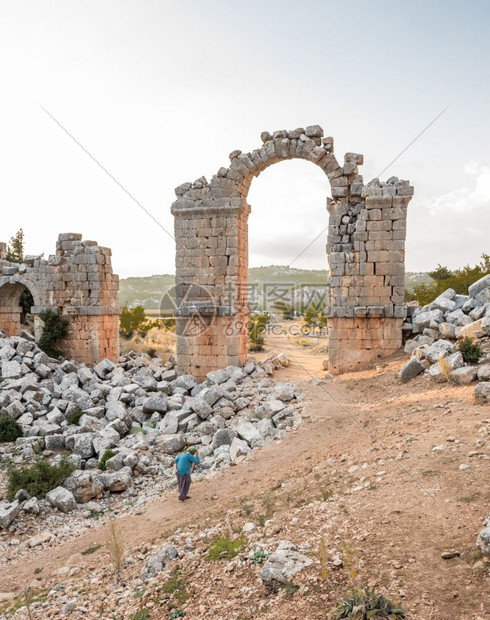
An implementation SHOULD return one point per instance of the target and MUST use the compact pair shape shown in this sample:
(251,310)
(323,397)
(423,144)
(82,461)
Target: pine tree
(15,249)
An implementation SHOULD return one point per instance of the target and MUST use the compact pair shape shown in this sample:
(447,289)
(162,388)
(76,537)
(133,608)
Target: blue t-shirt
(184,463)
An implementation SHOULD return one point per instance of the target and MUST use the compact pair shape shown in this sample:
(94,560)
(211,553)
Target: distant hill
(264,284)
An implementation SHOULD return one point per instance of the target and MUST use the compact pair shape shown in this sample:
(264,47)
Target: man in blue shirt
(184,464)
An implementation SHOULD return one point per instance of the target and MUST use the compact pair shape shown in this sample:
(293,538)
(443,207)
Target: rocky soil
(397,504)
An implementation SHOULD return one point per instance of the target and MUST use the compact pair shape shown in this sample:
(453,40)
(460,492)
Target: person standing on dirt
(184,465)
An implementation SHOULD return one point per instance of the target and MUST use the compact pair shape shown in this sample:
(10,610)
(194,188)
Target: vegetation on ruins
(39,479)
(443,278)
(15,248)
(470,350)
(9,429)
(55,328)
(108,454)
(224,548)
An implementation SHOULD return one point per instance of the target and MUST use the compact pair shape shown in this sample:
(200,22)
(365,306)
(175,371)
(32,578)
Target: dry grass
(445,368)
(115,545)
(160,341)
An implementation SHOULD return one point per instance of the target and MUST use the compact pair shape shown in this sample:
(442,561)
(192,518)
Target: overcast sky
(161,92)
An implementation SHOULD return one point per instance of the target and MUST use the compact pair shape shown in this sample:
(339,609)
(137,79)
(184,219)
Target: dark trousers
(184,483)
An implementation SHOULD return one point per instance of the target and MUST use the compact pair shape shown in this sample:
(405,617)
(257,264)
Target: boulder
(440,348)
(464,375)
(424,319)
(248,432)
(476,329)
(157,563)
(85,485)
(483,372)
(411,369)
(62,499)
(202,408)
(483,540)
(8,512)
(83,445)
(56,443)
(482,392)
(223,437)
(157,403)
(282,565)
(187,382)
(283,391)
(238,448)
(104,368)
(117,481)
(218,376)
(170,444)
(479,286)
(11,370)
(32,506)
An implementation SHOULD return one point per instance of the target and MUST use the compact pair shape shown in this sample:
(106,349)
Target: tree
(440,273)
(256,329)
(15,249)
(133,319)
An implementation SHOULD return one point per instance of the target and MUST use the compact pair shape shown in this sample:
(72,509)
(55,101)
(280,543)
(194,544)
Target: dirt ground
(362,475)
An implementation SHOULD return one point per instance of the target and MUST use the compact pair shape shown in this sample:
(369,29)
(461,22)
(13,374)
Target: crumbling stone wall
(365,248)
(78,283)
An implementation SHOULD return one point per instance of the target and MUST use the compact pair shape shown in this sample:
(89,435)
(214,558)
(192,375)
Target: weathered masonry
(78,283)
(365,247)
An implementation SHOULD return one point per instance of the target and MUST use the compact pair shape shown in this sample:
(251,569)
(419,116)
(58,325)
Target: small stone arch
(365,247)
(78,283)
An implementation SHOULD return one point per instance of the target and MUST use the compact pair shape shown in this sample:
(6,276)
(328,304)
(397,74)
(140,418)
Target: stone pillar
(367,276)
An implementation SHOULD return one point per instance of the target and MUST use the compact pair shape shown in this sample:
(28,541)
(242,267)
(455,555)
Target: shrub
(108,454)
(38,479)
(141,614)
(116,548)
(224,548)
(9,429)
(74,417)
(256,328)
(364,603)
(55,329)
(177,613)
(470,350)
(176,586)
(258,556)
(444,367)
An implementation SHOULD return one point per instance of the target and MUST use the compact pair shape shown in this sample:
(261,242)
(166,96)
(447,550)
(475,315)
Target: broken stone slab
(283,391)
(157,403)
(238,448)
(483,372)
(464,375)
(170,444)
(411,369)
(478,286)
(218,376)
(62,499)
(454,361)
(118,481)
(159,561)
(40,539)
(223,437)
(440,348)
(85,485)
(32,506)
(282,565)
(482,392)
(8,512)
(248,432)
(104,368)
(424,319)
(11,370)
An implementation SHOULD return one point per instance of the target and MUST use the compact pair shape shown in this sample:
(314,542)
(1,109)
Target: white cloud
(466,199)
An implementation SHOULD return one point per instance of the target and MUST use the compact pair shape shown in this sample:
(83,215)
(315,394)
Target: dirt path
(419,503)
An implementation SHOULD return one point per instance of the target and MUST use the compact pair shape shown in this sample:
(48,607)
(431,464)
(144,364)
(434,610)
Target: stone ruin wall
(365,247)
(78,283)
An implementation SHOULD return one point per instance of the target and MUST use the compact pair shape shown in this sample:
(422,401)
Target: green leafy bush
(74,417)
(177,613)
(470,350)
(9,429)
(38,479)
(176,586)
(141,614)
(224,548)
(55,328)
(258,557)
(364,603)
(108,454)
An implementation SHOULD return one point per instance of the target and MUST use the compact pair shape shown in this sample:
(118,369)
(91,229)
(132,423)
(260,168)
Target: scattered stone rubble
(483,541)
(439,326)
(139,408)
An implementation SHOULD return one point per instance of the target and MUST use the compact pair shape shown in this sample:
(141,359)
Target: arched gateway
(365,247)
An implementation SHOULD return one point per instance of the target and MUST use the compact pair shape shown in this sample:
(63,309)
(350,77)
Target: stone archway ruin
(77,282)
(365,247)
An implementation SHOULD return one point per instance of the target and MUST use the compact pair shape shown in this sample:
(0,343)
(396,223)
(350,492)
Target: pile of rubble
(439,326)
(141,410)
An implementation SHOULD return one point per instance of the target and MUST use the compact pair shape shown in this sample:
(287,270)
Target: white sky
(161,91)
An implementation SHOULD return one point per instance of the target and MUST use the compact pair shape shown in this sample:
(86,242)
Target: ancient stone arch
(365,247)
(78,283)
